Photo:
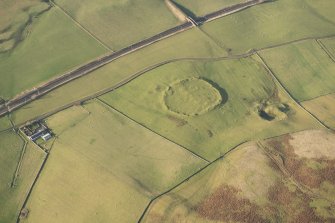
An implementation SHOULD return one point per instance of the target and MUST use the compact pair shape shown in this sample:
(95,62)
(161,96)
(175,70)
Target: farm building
(36,131)
(46,136)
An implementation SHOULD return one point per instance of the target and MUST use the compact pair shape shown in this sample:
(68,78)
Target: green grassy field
(303,68)
(273,23)
(190,44)
(125,148)
(200,8)
(11,146)
(111,155)
(15,16)
(73,188)
(118,164)
(247,92)
(45,52)
(322,107)
(247,186)
(4,123)
(330,45)
(13,192)
(121,23)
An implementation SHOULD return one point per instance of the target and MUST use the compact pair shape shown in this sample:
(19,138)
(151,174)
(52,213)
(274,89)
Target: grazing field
(125,148)
(303,68)
(250,106)
(73,188)
(44,52)
(322,107)
(330,45)
(4,123)
(190,44)
(14,186)
(118,164)
(15,16)
(121,23)
(273,23)
(201,8)
(248,186)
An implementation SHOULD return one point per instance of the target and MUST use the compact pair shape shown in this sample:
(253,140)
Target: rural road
(91,66)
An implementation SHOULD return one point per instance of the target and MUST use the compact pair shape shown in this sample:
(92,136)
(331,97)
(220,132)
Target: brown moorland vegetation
(298,166)
(226,205)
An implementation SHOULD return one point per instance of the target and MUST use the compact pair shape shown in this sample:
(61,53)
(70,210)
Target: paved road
(91,66)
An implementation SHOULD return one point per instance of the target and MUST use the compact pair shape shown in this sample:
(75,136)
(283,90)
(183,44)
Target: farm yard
(168,119)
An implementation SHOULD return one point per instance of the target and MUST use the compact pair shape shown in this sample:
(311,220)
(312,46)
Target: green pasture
(322,107)
(4,123)
(124,148)
(201,8)
(15,16)
(303,68)
(273,23)
(13,191)
(118,164)
(52,45)
(74,188)
(246,89)
(121,23)
(330,45)
(190,44)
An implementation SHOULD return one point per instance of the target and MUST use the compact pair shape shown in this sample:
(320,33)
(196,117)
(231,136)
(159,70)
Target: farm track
(93,65)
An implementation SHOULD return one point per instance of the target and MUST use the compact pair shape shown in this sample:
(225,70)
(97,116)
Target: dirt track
(91,66)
